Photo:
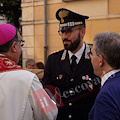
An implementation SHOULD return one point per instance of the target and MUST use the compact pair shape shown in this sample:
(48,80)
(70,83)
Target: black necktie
(74,64)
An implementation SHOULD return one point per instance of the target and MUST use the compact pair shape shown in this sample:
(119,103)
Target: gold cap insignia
(62,14)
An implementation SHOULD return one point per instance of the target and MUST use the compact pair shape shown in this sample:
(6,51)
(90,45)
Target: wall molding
(114,16)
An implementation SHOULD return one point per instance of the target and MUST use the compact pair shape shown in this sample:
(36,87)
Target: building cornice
(38,3)
(112,16)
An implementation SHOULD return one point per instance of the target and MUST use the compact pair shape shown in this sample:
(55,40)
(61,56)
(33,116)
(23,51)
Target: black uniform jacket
(74,92)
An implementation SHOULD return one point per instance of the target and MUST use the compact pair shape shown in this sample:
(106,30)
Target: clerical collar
(107,75)
(78,54)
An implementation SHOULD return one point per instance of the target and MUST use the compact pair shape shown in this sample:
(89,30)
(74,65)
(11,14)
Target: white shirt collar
(78,54)
(107,75)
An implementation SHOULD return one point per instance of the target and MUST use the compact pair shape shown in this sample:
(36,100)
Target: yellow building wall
(114,6)
(104,15)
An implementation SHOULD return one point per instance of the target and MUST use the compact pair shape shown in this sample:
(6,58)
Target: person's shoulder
(21,75)
(27,72)
(57,53)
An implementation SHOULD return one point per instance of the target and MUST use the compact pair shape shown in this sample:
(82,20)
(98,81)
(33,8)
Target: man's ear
(13,47)
(83,31)
(101,60)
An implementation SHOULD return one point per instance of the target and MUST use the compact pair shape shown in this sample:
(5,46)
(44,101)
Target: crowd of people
(78,83)
(30,64)
(35,67)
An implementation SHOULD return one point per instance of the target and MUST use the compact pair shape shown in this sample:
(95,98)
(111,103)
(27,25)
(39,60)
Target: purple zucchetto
(7,33)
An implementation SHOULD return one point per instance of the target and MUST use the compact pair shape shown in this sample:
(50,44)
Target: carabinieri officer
(68,74)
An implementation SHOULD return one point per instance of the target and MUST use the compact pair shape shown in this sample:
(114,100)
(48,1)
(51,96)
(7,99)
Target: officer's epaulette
(87,52)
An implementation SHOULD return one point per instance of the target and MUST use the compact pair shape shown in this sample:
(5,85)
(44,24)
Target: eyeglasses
(67,32)
(22,42)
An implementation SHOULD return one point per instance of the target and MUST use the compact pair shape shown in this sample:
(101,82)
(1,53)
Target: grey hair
(29,61)
(107,44)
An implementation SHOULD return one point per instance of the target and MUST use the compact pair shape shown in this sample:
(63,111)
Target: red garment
(7,65)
